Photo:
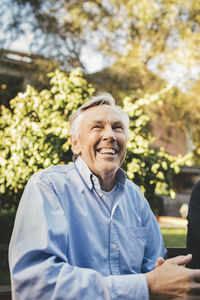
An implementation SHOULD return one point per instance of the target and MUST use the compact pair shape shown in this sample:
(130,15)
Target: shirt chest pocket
(137,243)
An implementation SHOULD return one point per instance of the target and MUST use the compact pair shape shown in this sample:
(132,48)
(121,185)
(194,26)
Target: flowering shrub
(34,134)
(149,167)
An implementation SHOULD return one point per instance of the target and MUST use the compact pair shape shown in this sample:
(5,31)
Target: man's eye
(118,127)
(96,127)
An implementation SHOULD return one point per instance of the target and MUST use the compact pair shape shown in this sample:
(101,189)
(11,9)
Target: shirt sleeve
(38,256)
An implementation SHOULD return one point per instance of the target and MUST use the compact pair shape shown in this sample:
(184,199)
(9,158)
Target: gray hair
(100,99)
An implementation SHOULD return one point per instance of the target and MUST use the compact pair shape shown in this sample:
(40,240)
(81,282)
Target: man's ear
(75,145)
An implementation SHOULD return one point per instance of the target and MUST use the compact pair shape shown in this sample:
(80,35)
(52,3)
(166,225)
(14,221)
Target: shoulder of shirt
(137,197)
(133,187)
(62,169)
(131,184)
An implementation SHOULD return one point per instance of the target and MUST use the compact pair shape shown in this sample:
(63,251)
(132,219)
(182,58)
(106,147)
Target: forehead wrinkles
(102,114)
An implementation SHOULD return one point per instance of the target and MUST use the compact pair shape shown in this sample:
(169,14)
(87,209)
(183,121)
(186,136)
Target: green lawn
(174,237)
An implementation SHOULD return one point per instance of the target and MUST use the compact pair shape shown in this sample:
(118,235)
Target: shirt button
(114,246)
(101,195)
(90,185)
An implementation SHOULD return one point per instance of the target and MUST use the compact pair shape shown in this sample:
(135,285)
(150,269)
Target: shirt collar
(91,180)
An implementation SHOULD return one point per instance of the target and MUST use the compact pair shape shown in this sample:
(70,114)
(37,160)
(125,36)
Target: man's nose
(109,134)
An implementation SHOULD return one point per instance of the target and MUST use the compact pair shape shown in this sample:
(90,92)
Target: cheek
(123,150)
(122,142)
(89,147)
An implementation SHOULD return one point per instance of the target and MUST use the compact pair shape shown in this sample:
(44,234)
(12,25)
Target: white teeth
(107,151)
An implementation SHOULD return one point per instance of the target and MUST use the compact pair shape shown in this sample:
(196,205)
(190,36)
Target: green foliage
(35,135)
(195,129)
(150,167)
(115,27)
(197,146)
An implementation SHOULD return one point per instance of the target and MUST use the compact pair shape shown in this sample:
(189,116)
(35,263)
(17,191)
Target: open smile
(107,151)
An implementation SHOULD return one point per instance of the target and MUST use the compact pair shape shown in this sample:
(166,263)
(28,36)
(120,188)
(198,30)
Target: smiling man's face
(102,141)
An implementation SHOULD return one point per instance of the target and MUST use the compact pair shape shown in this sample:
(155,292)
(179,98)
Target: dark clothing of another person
(193,236)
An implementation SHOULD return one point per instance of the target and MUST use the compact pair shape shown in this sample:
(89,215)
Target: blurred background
(55,54)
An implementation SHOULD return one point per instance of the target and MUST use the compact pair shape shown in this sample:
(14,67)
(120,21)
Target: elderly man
(84,231)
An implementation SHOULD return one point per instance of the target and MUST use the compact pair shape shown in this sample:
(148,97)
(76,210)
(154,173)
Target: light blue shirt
(68,244)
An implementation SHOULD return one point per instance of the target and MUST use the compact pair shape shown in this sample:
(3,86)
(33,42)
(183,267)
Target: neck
(107,182)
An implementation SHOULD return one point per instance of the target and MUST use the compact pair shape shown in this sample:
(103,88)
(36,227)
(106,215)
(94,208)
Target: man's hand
(171,279)
(159,262)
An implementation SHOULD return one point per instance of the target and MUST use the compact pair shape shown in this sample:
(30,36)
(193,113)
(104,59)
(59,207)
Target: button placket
(114,249)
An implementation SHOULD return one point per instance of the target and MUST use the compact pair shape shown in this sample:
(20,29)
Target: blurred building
(13,74)
(18,69)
